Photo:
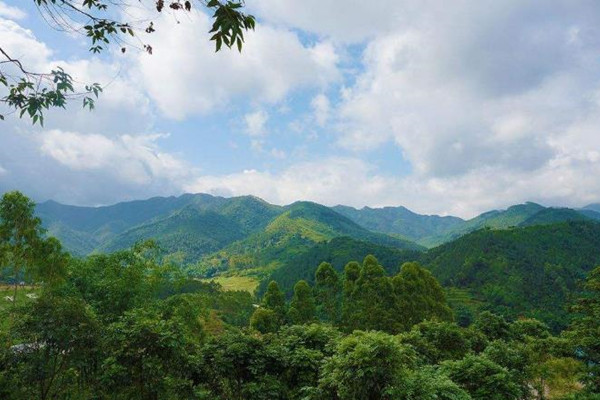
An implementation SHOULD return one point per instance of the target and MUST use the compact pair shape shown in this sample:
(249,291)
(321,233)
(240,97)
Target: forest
(131,324)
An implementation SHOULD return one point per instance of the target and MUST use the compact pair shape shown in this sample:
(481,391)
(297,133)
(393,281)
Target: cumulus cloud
(480,86)
(133,159)
(321,108)
(255,123)
(11,12)
(185,76)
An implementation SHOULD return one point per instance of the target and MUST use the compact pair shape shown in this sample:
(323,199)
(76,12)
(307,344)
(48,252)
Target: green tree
(419,296)
(20,236)
(30,92)
(351,275)
(327,290)
(585,329)
(431,384)
(492,326)
(373,297)
(302,307)
(366,366)
(274,300)
(236,366)
(149,354)
(265,320)
(438,341)
(58,353)
(482,378)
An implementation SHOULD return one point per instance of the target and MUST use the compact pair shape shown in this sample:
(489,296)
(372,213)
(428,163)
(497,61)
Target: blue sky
(447,111)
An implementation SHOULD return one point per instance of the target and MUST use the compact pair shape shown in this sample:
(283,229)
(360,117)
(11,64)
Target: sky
(450,109)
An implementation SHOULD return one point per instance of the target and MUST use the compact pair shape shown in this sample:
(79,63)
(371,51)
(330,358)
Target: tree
(20,236)
(419,296)
(30,92)
(351,274)
(302,308)
(585,329)
(366,366)
(327,290)
(374,298)
(59,347)
(265,320)
(482,378)
(274,300)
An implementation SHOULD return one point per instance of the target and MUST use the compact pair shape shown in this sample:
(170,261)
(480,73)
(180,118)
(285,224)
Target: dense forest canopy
(132,325)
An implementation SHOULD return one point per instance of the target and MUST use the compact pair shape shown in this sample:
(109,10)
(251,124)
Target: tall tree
(327,290)
(20,236)
(302,307)
(374,298)
(274,300)
(419,296)
(585,329)
(351,274)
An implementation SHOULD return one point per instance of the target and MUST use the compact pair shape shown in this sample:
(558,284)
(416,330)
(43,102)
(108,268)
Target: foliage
(366,366)
(585,330)
(531,272)
(302,307)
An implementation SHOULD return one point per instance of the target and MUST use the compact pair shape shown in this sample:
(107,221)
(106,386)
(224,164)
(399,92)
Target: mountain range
(525,260)
(208,229)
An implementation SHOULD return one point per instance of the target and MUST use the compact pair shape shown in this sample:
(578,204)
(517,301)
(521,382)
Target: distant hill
(593,207)
(84,230)
(294,232)
(400,221)
(531,271)
(433,230)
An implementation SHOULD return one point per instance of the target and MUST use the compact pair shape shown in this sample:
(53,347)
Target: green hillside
(338,252)
(291,234)
(527,214)
(530,271)
(190,225)
(400,221)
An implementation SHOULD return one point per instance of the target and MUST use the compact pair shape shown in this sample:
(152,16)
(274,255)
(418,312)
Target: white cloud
(11,12)
(321,108)
(185,76)
(3,171)
(133,159)
(255,123)
(571,183)
(21,44)
(507,87)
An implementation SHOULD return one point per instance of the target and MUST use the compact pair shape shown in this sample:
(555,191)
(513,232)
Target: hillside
(291,234)
(532,271)
(177,223)
(400,221)
(338,252)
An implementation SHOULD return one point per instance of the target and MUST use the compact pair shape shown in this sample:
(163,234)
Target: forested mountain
(400,221)
(522,271)
(393,326)
(175,222)
(433,230)
(532,271)
(293,233)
